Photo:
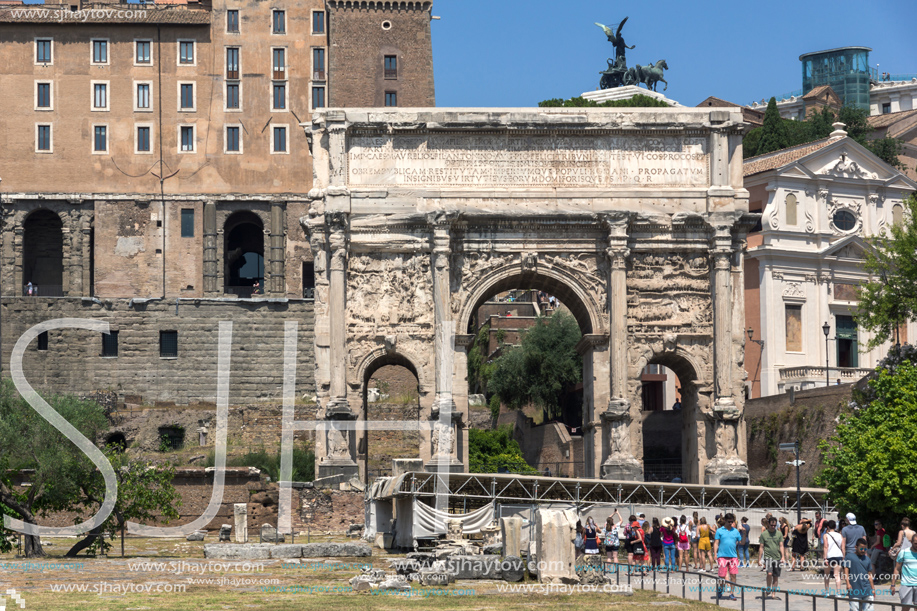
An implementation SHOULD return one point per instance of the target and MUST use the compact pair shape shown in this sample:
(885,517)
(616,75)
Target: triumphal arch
(634,218)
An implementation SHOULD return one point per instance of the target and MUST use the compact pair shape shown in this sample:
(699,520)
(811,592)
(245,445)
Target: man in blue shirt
(858,575)
(727,557)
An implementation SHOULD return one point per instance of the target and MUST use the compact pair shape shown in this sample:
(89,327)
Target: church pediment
(849,160)
(851,247)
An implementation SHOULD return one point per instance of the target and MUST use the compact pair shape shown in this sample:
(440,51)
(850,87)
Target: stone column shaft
(277,248)
(722,318)
(444,341)
(617,323)
(211,267)
(337,312)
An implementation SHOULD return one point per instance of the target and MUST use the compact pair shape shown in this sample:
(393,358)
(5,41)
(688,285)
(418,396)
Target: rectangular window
(391,67)
(280,96)
(168,344)
(43,51)
(318,96)
(143,139)
(318,64)
(186,52)
(232,96)
(794,328)
(391,98)
(232,21)
(280,139)
(43,138)
(187,96)
(143,96)
(279,62)
(187,222)
(280,22)
(308,280)
(100,96)
(187,138)
(318,22)
(43,96)
(110,344)
(43,340)
(232,63)
(142,52)
(100,51)
(846,335)
(100,139)
(886,108)
(233,140)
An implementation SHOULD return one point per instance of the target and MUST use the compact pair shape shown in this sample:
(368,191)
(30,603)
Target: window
(318,96)
(280,139)
(186,136)
(142,96)
(280,96)
(280,22)
(43,138)
(43,96)
(43,341)
(142,52)
(897,214)
(391,98)
(186,96)
(232,21)
(186,52)
(391,67)
(100,139)
(844,220)
(110,344)
(232,63)
(886,108)
(279,63)
(318,22)
(791,209)
(168,344)
(100,51)
(232,96)
(318,64)
(43,51)
(846,334)
(233,139)
(187,222)
(794,328)
(99,96)
(308,280)
(143,139)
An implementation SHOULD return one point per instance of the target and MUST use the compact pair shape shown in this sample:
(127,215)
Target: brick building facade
(154,171)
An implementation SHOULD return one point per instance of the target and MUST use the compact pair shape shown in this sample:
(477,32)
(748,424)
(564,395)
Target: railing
(43,290)
(796,93)
(391,73)
(892,78)
(694,585)
(849,374)
(318,75)
(658,470)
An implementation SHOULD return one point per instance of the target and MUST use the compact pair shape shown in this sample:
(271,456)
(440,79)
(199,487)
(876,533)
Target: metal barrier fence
(645,577)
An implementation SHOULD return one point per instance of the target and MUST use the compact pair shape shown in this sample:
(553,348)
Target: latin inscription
(530,161)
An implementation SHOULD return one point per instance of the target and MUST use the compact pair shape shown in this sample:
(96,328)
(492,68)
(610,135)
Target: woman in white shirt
(833,555)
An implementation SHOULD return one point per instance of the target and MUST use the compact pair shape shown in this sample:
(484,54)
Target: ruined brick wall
(361,35)
(73,361)
(330,510)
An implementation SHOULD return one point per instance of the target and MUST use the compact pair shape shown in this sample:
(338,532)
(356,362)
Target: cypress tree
(773,133)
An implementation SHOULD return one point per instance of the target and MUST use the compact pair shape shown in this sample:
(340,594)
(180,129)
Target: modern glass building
(845,69)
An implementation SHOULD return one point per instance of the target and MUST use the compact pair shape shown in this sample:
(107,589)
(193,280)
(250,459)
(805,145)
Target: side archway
(43,253)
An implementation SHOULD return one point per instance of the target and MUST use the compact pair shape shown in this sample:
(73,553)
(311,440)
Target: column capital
(618,256)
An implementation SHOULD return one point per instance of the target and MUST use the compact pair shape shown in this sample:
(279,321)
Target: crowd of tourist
(850,558)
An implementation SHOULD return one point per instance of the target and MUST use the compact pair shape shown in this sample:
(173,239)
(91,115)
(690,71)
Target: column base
(626,469)
(726,472)
(445,405)
(346,468)
(444,463)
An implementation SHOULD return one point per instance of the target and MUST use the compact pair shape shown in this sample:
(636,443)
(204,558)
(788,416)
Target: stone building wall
(73,361)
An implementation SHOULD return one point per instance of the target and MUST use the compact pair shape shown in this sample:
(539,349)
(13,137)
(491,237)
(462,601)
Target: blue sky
(519,52)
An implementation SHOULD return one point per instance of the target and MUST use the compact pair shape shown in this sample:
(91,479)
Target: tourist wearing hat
(668,544)
(852,533)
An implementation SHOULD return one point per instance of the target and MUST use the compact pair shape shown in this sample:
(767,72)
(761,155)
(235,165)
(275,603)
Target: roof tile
(778,159)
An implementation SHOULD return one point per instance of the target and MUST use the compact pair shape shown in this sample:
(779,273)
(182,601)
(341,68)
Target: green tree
(489,451)
(28,441)
(890,296)
(637,101)
(773,131)
(871,461)
(541,367)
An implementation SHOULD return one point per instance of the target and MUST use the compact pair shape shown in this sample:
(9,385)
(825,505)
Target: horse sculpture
(648,75)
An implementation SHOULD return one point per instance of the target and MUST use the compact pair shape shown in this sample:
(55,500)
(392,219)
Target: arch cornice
(588,310)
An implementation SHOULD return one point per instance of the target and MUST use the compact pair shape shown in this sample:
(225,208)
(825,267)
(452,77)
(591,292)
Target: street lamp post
(826,328)
(794,447)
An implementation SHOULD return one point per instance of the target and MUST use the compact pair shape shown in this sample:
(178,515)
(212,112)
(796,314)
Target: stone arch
(43,252)
(564,286)
(243,253)
(382,356)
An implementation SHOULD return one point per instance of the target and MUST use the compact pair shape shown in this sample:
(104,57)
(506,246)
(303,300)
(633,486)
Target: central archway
(570,450)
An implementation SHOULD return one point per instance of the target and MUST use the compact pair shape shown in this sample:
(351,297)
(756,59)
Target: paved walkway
(801,584)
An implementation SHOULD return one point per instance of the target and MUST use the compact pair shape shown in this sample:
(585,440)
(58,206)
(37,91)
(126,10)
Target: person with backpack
(638,544)
(612,541)
(880,547)
(744,560)
(627,538)
(579,543)
(833,553)
(683,542)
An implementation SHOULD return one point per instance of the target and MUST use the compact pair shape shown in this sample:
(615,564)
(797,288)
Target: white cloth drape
(429,522)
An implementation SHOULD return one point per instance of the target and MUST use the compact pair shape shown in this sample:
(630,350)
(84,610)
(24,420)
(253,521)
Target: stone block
(249,551)
(554,552)
(454,529)
(240,511)
(226,532)
(474,567)
(335,550)
(513,568)
(287,550)
(511,532)
(406,465)
(269,534)
(435,578)
(195,536)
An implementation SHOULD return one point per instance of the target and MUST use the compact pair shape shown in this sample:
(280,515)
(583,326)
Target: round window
(844,220)
(386,25)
